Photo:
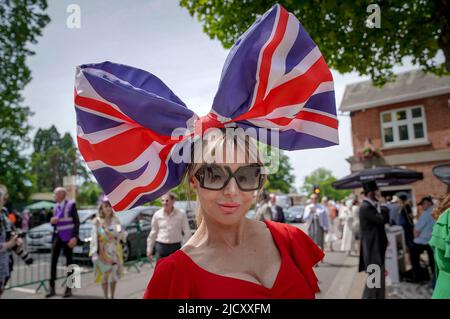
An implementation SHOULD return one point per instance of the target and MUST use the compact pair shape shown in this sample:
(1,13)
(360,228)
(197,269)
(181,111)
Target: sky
(158,36)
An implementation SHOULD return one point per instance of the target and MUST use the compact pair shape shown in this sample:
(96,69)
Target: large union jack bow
(274,77)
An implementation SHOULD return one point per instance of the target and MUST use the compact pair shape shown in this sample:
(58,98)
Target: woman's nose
(231,188)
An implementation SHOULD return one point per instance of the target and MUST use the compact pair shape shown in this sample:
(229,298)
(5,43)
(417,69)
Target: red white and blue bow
(274,77)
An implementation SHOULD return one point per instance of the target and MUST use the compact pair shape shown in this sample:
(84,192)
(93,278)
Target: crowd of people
(360,224)
(105,249)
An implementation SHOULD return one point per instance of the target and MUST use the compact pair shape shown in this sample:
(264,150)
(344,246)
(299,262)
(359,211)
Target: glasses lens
(248,177)
(214,177)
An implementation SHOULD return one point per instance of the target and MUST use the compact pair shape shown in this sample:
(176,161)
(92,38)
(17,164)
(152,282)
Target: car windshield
(85,214)
(296,209)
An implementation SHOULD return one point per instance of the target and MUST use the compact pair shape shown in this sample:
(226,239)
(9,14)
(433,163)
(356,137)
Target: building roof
(408,86)
(42,196)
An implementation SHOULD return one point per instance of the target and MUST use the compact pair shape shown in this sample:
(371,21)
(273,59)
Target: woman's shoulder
(296,240)
(170,279)
(444,218)
(170,263)
(440,237)
(284,230)
(301,248)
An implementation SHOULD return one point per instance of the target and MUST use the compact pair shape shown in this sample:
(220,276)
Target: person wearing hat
(106,247)
(422,235)
(373,238)
(440,237)
(229,256)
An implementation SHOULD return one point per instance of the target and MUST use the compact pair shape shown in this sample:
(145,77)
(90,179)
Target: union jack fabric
(274,77)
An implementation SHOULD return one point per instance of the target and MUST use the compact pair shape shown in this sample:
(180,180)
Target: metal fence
(37,246)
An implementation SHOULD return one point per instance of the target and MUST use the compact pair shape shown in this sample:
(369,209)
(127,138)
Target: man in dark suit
(373,241)
(277,210)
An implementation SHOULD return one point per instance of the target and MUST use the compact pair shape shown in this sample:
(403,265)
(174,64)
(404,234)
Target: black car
(294,214)
(136,222)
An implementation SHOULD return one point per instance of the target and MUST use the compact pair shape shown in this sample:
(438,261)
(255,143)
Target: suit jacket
(279,214)
(373,235)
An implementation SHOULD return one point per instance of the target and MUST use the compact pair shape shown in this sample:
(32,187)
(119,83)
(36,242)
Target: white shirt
(168,228)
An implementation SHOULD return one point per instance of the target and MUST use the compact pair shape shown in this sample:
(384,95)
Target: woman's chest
(258,265)
(288,282)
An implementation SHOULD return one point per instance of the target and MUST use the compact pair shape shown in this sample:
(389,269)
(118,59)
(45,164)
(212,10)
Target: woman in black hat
(440,238)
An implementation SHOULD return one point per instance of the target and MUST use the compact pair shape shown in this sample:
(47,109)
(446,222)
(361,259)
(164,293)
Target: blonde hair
(101,214)
(212,142)
(444,204)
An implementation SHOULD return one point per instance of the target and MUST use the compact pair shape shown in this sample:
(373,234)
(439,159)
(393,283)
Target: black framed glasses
(214,177)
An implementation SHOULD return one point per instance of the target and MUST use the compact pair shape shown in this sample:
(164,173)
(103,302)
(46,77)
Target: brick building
(409,120)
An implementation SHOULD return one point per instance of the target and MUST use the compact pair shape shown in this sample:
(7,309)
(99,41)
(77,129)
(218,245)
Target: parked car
(283,201)
(39,238)
(294,214)
(136,222)
(188,207)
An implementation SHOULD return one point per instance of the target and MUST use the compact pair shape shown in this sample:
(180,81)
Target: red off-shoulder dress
(179,277)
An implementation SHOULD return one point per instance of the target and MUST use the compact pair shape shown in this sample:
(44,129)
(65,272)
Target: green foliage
(55,157)
(416,29)
(182,192)
(282,179)
(88,193)
(21,22)
(323,178)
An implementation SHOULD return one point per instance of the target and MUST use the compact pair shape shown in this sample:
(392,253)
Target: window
(403,126)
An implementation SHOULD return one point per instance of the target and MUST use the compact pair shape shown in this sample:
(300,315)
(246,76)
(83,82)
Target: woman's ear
(192,182)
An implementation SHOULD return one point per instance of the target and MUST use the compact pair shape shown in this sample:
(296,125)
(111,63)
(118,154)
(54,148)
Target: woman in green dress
(440,242)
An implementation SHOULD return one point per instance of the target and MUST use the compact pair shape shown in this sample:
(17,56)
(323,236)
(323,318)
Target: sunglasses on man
(214,177)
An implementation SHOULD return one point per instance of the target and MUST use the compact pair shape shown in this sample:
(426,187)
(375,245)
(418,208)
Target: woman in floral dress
(106,248)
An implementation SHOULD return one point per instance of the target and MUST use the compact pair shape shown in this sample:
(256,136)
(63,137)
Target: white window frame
(409,122)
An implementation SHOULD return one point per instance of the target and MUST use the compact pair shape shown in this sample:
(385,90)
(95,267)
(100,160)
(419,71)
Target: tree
(89,193)
(55,157)
(323,178)
(282,179)
(21,22)
(416,29)
(182,192)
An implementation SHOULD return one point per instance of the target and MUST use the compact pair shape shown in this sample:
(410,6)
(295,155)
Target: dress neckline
(277,278)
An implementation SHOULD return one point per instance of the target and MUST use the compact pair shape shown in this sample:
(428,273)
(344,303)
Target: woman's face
(226,206)
(107,209)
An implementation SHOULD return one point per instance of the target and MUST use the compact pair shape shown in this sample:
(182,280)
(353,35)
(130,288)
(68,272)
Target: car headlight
(87,239)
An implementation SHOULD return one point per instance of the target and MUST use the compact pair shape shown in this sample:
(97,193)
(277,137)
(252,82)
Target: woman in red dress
(132,130)
(231,256)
